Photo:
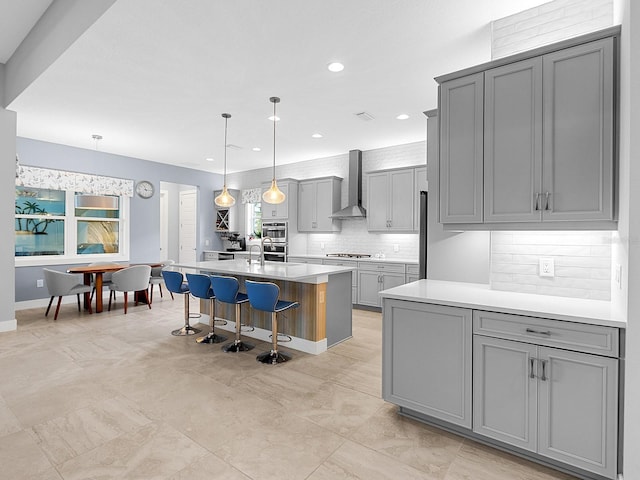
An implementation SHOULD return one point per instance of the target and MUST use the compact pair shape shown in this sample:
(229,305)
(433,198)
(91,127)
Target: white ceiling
(154,76)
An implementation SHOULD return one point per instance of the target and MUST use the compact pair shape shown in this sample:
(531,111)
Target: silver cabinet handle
(544,370)
(546,333)
(546,201)
(531,362)
(537,204)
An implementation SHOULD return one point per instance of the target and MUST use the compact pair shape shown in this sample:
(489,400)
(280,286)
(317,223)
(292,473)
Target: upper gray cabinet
(531,141)
(391,200)
(317,200)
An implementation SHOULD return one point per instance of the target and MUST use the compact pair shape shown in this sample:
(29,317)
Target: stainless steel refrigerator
(422,257)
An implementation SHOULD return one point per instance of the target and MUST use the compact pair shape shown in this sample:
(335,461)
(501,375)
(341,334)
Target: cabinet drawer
(208,256)
(381,267)
(553,333)
(412,269)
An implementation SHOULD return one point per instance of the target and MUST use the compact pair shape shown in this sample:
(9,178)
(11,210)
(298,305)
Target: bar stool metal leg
(211,337)
(238,345)
(186,329)
(273,357)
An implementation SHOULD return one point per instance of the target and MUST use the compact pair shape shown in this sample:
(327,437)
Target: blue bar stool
(227,291)
(264,296)
(200,287)
(175,284)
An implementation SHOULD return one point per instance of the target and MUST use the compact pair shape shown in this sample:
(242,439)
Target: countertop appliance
(236,243)
(422,252)
(276,250)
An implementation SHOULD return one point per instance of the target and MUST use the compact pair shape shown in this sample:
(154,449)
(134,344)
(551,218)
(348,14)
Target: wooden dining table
(98,271)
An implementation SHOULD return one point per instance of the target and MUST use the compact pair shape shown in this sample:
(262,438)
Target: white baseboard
(307,346)
(8,326)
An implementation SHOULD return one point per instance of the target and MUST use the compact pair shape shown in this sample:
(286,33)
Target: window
(68,224)
(254,220)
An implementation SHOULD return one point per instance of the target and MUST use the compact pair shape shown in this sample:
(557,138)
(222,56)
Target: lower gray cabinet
(426,359)
(557,403)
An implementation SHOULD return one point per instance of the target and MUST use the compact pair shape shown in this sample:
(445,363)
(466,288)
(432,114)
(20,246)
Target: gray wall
(144,214)
(7,212)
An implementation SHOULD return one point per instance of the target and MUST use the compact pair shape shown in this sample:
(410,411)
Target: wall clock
(145,189)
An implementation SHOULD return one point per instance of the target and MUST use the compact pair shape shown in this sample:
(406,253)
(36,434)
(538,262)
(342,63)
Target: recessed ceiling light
(335,67)
(317,135)
(209,159)
(256,149)
(402,116)
(274,118)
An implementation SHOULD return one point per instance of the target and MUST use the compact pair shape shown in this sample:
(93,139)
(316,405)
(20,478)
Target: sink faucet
(250,248)
(262,245)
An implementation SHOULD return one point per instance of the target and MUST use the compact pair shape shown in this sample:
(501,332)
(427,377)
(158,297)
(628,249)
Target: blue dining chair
(200,287)
(174,281)
(265,296)
(227,291)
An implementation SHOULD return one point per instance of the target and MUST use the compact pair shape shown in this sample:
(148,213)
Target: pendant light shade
(274,195)
(225,199)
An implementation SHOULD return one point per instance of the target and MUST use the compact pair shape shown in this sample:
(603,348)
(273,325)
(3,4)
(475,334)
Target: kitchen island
(323,291)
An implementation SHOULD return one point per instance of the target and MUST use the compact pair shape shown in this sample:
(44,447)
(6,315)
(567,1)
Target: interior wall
(7,171)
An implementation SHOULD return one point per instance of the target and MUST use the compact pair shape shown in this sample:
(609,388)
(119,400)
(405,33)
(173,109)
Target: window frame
(71,237)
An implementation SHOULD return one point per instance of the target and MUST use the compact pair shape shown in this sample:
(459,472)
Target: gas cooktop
(349,255)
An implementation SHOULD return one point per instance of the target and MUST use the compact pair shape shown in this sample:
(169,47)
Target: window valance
(37,177)
(251,195)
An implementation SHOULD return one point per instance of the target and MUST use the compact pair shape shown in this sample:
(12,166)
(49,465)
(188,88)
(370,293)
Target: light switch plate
(547,268)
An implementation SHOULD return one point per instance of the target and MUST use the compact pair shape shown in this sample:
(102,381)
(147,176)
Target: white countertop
(366,259)
(481,297)
(293,272)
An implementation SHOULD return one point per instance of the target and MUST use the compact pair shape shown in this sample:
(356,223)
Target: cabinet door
(390,280)
(324,206)
(461,145)
(426,359)
(368,288)
(578,410)
(421,185)
(377,201)
(401,200)
(278,211)
(306,206)
(505,391)
(513,142)
(578,132)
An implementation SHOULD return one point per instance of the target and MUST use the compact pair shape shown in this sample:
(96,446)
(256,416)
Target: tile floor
(112,396)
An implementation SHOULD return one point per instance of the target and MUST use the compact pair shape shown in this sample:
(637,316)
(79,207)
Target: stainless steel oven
(275,230)
(276,249)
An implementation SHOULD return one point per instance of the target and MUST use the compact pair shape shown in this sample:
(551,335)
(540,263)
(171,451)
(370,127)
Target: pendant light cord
(226,119)
(274,139)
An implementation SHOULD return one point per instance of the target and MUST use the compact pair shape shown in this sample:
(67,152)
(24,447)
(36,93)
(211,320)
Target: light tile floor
(112,396)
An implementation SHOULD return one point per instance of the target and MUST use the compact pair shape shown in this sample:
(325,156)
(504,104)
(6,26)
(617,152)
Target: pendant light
(225,199)
(274,195)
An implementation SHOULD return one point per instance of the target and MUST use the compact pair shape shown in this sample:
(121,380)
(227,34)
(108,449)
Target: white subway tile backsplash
(582,263)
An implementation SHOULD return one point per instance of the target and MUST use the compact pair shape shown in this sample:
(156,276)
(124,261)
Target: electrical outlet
(321,245)
(39,283)
(547,267)
(396,247)
(618,276)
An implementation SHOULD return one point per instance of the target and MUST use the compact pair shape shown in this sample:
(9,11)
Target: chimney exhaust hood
(354,209)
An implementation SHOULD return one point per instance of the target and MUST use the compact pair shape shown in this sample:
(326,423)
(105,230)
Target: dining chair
(60,284)
(106,278)
(156,278)
(131,279)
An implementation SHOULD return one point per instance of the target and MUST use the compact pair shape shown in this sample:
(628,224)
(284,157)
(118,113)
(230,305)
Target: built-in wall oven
(276,249)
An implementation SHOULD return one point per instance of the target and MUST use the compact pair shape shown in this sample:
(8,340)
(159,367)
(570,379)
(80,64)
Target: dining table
(96,272)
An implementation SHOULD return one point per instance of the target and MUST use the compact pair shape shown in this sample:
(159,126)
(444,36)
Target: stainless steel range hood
(354,207)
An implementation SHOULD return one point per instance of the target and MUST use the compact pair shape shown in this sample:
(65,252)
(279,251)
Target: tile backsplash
(582,263)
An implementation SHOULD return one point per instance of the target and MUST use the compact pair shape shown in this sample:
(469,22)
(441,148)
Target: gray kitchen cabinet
(461,142)
(294,259)
(374,277)
(412,273)
(354,274)
(391,200)
(513,142)
(421,185)
(426,359)
(228,218)
(317,200)
(530,141)
(579,99)
(284,210)
(555,402)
